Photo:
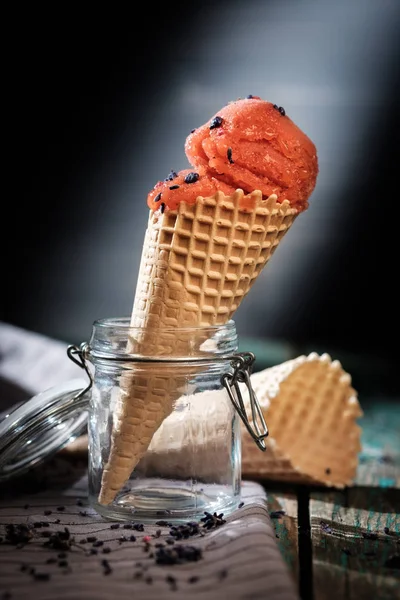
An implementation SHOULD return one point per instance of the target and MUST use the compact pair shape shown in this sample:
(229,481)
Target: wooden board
(356,533)
(240,559)
(286,527)
(354,546)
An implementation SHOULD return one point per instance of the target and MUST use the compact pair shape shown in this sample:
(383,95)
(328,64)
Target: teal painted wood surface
(285,526)
(379,460)
(356,532)
(355,537)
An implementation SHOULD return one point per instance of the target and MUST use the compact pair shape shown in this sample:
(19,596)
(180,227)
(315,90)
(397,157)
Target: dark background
(99,109)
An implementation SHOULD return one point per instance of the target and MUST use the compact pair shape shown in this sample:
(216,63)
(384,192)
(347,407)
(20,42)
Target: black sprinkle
(178,555)
(229,155)
(241,504)
(123,538)
(46,534)
(63,563)
(370,536)
(57,521)
(212,521)
(128,526)
(328,471)
(18,534)
(172,175)
(280,109)
(47,512)
(45,524)
(249,97)
(138,526)
(162,523)
(158,197)
(223,574)
(61,508)
(193,579)
(26,506)
(106,567)
(98,544)
(170,579)
(393,562)
(191,177)
(277,536)
(191,528)
(386,530)
(192,130)
(170,540)
(277,514)
(60,540)
(162,207)
(92,539)
(325,527)
(114,526)
(216,122)
(174,187)
(41,576)
(38,524)
(132,538)
(84,541)
(106,550)
(346,551)
(385,458)
(83,513)
(79,503)
(62,555)
(93,551)
(157,533)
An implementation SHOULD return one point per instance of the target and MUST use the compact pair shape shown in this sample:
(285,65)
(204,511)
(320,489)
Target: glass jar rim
(123,323)
(116,340)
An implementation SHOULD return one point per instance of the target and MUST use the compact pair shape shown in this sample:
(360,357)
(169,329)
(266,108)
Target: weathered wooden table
(346,544)
(286,541)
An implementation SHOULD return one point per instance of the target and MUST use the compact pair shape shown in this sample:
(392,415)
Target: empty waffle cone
(307,391)
(311,411)
(197,265)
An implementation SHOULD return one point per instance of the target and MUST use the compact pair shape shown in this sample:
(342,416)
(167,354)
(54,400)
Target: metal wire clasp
(242,365)
(78,356)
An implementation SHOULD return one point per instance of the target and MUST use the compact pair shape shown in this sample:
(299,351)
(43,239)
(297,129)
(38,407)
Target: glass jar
(193,461)
(180,402)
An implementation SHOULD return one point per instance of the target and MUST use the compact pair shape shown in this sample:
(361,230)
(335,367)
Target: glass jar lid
(37,429)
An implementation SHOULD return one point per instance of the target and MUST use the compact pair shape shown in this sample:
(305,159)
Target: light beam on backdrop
(326,63)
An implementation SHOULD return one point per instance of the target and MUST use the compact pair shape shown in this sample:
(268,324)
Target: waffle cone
(311,410)
(197,265)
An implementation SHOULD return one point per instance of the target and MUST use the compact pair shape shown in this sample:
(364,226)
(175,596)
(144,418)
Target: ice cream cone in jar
(211,230)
